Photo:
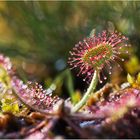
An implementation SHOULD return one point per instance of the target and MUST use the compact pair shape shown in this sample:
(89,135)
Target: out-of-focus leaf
(8,105)
(138,78)
(133,65)
(130,79)
(76,96)
(69,84)
(92,32)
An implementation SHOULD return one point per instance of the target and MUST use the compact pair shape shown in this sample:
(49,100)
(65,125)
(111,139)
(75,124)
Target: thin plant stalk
(89,91)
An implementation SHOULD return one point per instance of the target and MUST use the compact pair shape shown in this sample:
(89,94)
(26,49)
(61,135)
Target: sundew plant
(69,70)
(28,110)
(95,54)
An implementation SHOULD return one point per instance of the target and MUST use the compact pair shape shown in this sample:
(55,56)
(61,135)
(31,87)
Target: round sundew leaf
(35,97)
(31,94)
(96,52)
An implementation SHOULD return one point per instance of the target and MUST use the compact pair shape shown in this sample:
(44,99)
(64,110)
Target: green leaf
(130,79)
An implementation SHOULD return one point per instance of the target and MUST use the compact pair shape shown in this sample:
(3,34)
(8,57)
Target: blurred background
(38,36)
